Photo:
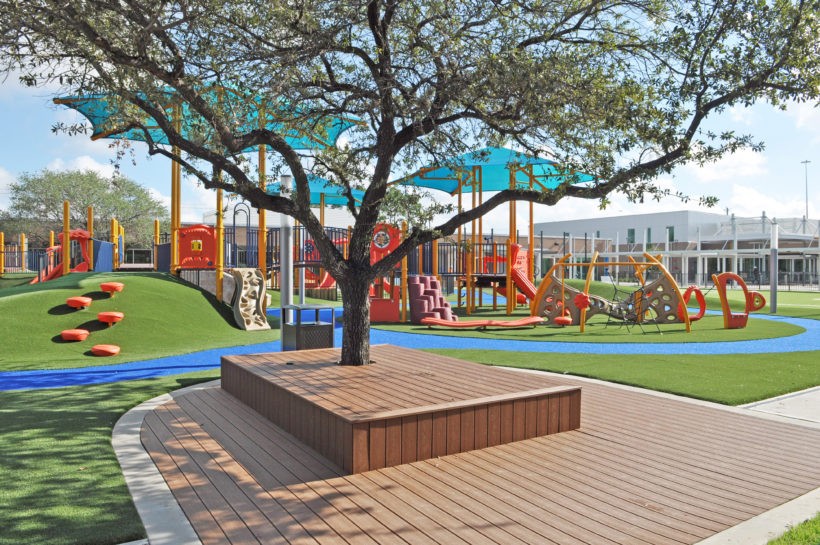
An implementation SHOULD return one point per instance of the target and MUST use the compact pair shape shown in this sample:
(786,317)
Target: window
(630,236)
(649,235)
(670,233)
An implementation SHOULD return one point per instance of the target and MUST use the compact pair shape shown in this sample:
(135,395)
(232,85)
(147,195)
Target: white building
(695,244)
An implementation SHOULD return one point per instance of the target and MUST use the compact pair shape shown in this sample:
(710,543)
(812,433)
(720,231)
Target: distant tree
(617,89)
(36,205)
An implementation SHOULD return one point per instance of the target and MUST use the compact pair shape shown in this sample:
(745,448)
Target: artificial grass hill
(163,317)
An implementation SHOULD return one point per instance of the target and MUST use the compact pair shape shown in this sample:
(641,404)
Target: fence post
(2,253)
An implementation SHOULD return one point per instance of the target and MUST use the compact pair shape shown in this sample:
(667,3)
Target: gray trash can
(302,328)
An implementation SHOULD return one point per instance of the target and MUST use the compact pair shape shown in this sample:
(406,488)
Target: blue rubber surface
(209,359)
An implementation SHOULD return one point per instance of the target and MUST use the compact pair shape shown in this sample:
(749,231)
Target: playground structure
(77,251)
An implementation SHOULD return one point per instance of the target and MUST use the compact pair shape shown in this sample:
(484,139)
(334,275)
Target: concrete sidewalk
(803,405)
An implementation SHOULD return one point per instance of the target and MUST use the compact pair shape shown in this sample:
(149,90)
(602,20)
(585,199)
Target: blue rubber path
(209,359)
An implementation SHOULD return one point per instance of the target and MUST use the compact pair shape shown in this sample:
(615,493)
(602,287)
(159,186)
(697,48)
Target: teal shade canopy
(493,165)
(111,119)
(334,194)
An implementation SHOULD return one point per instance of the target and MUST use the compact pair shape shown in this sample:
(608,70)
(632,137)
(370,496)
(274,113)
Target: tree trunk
(356,321)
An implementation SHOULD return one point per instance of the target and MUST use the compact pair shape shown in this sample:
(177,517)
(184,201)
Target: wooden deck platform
(401,408)
(640,470)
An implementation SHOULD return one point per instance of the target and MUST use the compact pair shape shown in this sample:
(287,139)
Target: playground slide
(56,272)
(326,281)
(523,283)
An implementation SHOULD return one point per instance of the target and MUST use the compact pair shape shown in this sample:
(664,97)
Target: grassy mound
(163,317)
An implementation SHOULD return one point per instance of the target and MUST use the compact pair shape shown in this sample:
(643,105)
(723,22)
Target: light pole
(806,165)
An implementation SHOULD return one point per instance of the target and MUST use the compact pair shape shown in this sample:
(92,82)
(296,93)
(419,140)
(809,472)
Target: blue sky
(746,183)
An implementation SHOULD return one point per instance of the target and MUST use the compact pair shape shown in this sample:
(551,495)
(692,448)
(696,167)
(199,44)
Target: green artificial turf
(806,533)
(732,379)
(11,280)
(709,329)
(163,317)
(60,482)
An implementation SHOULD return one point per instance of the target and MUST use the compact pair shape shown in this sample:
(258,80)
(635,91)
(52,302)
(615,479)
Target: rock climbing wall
(249,299)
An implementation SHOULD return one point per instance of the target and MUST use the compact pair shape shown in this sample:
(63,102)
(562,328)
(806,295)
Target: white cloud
(82,162)
(806,116)
(196,201)
(6,179)
(747,201)
(742,164)
(741,115)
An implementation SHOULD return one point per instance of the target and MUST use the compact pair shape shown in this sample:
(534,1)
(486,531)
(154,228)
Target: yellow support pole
(90,226)
(23,250)
(220,245)
(176,191)
(262,242)
(420,252)
(531,241)
(50,239)
(66,240)
(511,295)
(116,251)
(468,285)
(2,253)
(156,242)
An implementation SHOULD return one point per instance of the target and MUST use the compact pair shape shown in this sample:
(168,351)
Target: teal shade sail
(334,194)
(110,118)
(493,166)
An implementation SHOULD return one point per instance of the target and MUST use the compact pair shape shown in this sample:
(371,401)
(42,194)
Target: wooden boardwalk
(641,469)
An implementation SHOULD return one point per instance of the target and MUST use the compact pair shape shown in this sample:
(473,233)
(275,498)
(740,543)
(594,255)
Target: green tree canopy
(618,89)
(36,205)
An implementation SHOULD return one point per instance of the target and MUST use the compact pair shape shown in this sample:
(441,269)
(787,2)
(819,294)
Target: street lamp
(806,165)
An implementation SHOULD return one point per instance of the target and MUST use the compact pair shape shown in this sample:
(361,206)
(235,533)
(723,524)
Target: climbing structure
(659,301)
(752,300)
(426,299)
(249,299)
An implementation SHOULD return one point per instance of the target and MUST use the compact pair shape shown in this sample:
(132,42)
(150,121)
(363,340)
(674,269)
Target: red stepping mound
(78,302)
(110,317)
(74,334)
(105,349)
(111,287)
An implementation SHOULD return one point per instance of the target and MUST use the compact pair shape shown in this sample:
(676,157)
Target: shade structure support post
(90,228)
(403,276)
(176,191)
(531,236)
(220,244)
(2,253)
(156,242)
(286,251)
(262,244)
(66,239)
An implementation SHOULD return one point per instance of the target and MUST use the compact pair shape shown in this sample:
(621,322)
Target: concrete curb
(164,521)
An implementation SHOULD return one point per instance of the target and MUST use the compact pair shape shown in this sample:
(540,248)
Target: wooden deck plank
(642,469)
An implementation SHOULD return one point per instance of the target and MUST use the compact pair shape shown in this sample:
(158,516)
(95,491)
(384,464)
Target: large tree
(616,88)
(36,204)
